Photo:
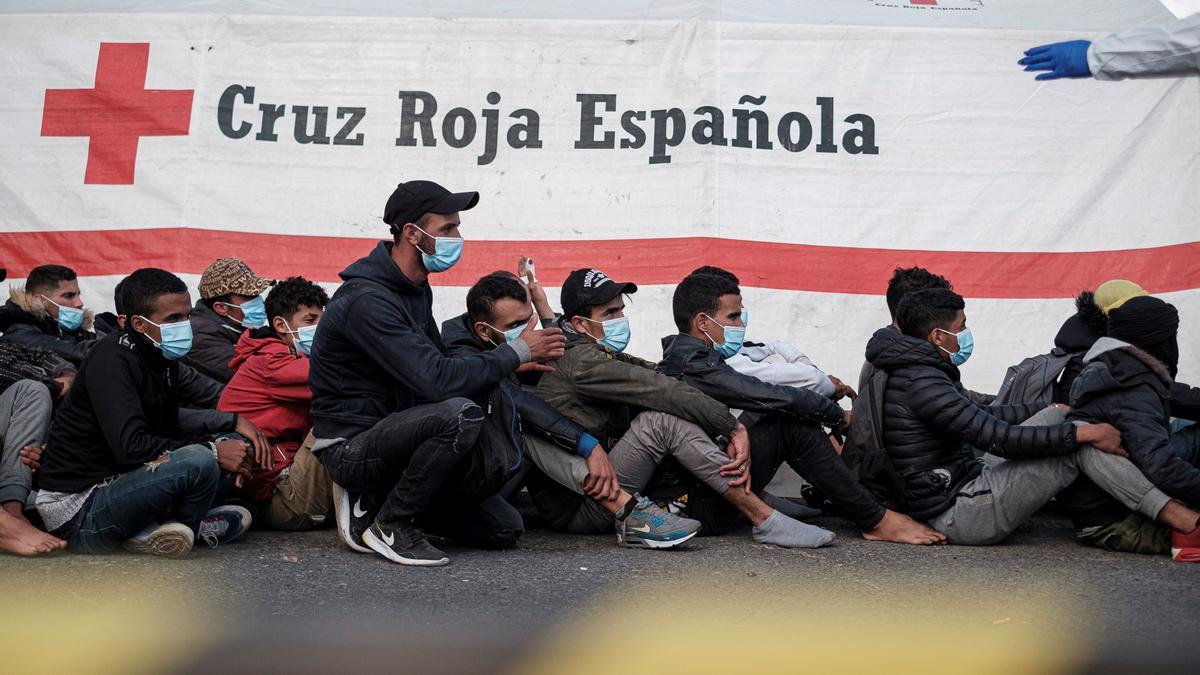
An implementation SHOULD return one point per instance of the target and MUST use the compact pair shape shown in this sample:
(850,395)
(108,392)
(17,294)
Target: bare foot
(901,529)
(19,536)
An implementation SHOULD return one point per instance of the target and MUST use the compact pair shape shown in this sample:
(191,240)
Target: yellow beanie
(1115,292)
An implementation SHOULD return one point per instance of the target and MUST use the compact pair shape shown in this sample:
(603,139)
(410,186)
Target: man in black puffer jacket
(928,420)
(1127,381)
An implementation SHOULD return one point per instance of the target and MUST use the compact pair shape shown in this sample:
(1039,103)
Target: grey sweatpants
(1009,492)
(25,409)
(652,437)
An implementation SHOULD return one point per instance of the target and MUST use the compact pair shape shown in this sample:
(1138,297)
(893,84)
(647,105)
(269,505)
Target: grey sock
(782,531)
(790,508)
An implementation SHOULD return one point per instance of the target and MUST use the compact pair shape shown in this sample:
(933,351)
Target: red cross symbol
(117,112)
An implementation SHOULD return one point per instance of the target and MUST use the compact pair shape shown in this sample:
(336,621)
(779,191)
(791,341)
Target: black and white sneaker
(404,544)
(355,513)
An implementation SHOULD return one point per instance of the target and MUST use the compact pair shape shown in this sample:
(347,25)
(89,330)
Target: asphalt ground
(279,602)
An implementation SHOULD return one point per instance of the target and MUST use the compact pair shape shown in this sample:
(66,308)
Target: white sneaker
(171,539)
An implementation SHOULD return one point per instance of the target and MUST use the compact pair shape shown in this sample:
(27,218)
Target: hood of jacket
(1113,365)
(22,307)
(889,349)
(379,267)
(260,341)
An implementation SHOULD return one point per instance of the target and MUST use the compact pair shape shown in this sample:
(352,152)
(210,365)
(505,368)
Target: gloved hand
(1062,59)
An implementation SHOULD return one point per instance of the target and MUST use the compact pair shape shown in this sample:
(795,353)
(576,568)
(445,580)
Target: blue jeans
(182,488)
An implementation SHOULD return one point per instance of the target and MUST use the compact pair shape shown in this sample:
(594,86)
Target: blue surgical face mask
(966,344)
(733,337)
(69,318)
(616,333)
(304,337)
(254,312)
(176,338)
(511,335)
(446,252)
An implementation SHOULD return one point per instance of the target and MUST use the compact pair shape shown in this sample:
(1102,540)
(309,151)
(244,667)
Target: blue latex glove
(1062,59)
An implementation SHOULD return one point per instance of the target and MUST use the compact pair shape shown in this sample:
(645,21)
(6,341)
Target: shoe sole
(164,544)
(387,552)
(638,542)
(341,509)
(1185,555)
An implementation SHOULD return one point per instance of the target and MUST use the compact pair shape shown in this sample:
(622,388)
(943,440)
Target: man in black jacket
(928,421)
(395,421)
(784,423)
(1127,381)
(499,308)
(230,302)
(48,313)
(121,465)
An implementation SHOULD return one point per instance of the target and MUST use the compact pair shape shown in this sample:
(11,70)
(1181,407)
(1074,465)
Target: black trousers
(804,446)
(417,463)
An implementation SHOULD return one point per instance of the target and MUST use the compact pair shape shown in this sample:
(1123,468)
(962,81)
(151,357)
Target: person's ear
(220,308)
(481,331)
(279,325)
(411,234)
(580,325)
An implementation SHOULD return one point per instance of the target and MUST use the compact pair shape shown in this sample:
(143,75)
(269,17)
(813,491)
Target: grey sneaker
(651,527)
(172,539)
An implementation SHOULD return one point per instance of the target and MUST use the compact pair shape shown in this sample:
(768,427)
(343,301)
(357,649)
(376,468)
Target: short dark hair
(717,272)
(47,278)
(118,300)
(289,295)
(699,294)
(482,297)
(922,311)
(142,289)
(905,280)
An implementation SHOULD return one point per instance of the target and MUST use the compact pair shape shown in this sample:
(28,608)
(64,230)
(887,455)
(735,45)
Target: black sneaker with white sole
(355,512)
(405,544)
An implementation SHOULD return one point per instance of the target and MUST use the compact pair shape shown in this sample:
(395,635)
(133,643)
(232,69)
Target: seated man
(400,424)
(48,314)
(499,308)
(122,466)
(25,408)
(928,422)
(270,388)
(196,390)
(1127,381)
(784,423)
(646,417)
(230,302)
(780,362)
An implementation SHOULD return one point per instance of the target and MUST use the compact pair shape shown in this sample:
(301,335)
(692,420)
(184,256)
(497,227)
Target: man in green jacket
(645,417)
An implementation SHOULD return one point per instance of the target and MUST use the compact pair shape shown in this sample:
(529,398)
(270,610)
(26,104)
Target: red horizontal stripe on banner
(799,267)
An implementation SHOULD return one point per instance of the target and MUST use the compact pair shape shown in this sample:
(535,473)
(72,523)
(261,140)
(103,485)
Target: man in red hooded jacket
(270,388)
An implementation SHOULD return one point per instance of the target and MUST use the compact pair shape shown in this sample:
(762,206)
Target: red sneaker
(1185,546)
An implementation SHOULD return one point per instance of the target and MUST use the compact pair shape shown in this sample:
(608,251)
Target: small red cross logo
(117,112)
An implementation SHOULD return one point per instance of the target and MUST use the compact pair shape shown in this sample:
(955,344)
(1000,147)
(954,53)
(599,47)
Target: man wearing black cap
(399,423)
(646,417)
(1126,381)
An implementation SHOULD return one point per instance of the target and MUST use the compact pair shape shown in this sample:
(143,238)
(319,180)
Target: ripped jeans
(182,488)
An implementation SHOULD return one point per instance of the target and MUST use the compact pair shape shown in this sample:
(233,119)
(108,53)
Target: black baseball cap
(588,287)
(415,198)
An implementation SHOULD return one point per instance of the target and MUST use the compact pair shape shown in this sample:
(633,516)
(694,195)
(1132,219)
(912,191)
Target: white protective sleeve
(781,363)
(1151,50)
